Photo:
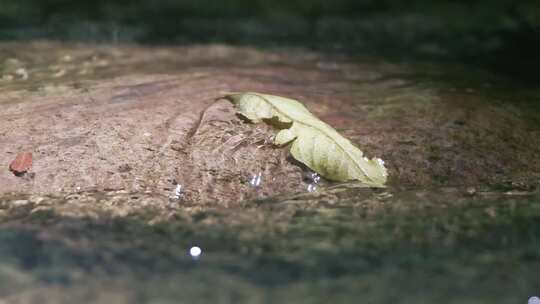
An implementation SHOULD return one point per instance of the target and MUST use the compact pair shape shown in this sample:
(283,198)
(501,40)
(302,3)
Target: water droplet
(256,180)
(534,300)
(195,252)
(177,192)
(314,180)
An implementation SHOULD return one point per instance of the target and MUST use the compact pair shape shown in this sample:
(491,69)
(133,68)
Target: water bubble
(534,300)
(195,252)
(312,188)
(256,180)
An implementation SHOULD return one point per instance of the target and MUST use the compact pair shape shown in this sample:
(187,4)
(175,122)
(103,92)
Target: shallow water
(344,244)
(459,219)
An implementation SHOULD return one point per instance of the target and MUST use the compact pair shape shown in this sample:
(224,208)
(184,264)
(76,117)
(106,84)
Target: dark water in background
(443,245)
(500,35)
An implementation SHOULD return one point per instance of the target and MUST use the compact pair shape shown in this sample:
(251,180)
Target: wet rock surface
(153,110)
(134,162)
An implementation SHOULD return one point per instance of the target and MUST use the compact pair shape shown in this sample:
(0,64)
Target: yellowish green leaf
(314,142)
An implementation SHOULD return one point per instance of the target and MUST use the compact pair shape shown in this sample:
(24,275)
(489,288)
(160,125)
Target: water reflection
(534,300)
(195,252)
(256,180)
(314,180)
(177,193)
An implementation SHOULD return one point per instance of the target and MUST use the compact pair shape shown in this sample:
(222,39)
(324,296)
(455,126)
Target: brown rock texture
(145,119)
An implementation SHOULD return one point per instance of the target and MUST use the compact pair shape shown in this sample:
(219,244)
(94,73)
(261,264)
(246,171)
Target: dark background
(500,35)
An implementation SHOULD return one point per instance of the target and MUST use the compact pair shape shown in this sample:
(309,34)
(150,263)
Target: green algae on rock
(314,143)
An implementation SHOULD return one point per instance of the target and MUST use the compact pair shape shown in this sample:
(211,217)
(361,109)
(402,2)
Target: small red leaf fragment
(21,164)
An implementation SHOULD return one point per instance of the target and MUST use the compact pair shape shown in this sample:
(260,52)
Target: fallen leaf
(21,164)
(314,142)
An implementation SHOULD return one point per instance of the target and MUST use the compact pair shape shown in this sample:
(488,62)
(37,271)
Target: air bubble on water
(256,180)
(312,188)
